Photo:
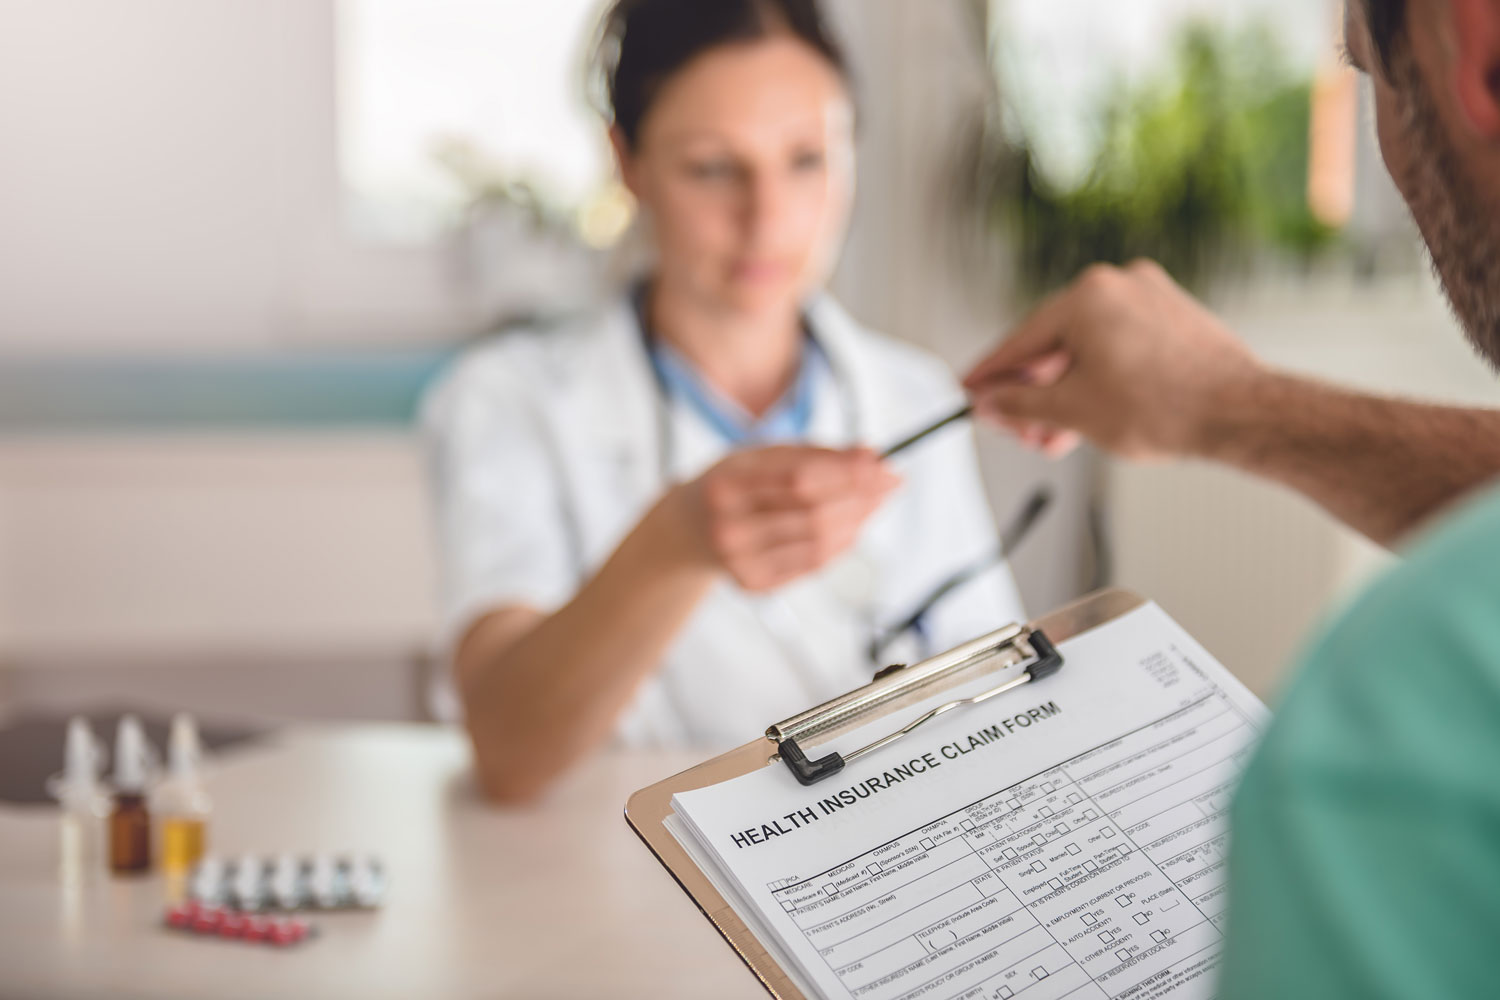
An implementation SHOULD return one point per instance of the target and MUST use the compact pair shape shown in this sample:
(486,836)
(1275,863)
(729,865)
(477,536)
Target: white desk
(557,901)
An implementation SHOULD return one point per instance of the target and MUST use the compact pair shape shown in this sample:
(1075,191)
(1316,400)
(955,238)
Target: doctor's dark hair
(643,42)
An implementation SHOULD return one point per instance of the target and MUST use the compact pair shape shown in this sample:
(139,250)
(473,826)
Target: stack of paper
(1066,839)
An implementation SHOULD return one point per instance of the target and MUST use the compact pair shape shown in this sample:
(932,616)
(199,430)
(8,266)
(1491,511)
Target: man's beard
(1459,230)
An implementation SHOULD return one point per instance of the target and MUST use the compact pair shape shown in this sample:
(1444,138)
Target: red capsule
(258,928)
(283,934)
(208,921)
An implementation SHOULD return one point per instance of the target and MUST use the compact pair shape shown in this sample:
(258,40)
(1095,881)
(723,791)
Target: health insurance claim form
(1066,839)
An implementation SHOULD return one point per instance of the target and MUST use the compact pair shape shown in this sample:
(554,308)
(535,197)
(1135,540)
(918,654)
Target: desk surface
(555,901)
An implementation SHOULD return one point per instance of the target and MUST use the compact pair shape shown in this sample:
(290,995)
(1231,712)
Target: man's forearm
(1381,465)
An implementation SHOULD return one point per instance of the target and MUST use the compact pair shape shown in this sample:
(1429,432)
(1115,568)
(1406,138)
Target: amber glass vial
(129,835)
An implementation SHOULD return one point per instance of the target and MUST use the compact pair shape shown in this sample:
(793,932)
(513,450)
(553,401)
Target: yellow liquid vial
(183,839)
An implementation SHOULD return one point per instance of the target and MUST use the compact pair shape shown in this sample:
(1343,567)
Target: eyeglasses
(1010,539)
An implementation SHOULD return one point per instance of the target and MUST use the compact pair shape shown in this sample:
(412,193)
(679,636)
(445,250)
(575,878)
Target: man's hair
(1387,21)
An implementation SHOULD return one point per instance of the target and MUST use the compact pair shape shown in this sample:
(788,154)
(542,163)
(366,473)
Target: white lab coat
(546,454)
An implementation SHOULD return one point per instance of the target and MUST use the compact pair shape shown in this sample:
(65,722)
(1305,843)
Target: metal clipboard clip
(1009,647)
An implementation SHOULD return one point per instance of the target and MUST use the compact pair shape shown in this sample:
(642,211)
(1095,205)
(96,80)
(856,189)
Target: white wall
(130,545)
(169,181)
(232,574)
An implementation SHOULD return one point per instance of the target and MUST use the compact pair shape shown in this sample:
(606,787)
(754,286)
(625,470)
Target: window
(1058,63)
(443,103)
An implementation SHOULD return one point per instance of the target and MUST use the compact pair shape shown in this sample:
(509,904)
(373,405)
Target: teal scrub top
(1365,855)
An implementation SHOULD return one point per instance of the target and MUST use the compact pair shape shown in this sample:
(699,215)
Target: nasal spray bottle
(78,788)
(181,802)
(130,817)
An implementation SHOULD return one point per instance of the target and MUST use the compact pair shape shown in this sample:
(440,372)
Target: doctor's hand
(770,515)
(1123,357)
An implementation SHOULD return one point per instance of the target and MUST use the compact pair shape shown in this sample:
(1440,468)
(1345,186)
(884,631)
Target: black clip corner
(1048,659)
(808,771)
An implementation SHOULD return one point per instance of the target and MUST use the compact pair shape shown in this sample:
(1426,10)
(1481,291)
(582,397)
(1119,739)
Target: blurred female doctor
(665,524)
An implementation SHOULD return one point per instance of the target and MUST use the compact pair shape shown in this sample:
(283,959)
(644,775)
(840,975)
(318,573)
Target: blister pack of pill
(251,884)
(221,922)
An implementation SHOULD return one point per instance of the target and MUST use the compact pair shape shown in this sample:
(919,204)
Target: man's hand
(768,516)
(1122,356)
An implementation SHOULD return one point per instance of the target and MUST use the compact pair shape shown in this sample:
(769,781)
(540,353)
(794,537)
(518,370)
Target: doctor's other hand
(1123,357)
(767,516)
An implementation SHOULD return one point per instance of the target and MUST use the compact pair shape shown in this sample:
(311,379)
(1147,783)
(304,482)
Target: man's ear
(1476,69)
(625,158)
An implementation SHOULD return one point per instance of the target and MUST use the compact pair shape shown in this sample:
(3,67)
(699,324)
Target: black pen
(921,435)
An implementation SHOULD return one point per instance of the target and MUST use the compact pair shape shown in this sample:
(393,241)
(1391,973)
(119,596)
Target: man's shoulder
(1416,655)
(1447,579)
(1464,543)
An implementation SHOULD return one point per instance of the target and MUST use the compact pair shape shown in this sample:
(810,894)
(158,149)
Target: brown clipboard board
(647,810)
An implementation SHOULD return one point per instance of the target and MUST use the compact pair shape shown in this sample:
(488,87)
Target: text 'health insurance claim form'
(1066,839)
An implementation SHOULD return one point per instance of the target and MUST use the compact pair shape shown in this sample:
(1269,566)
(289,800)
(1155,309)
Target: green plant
(1196,168)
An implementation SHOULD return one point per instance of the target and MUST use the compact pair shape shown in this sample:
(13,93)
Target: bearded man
(1365,858)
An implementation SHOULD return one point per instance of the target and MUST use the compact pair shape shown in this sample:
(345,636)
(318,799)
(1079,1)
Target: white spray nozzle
(83,759)
(184,750)
(133,757)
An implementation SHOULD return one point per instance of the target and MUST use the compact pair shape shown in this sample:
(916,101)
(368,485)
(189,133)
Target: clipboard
(892,690)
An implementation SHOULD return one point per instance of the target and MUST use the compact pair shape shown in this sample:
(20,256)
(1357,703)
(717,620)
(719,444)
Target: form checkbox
(874,868)
(1106,937)
(1124,849)
(968,824)
(1090,814)
(1090,919)
(1038,840)
(926,843)
(1123,954)
(1037,866)
(1013,803)
(1004,993)
(1123,901)
(830,889)
(1141,918)
(1039,973)
(1075,798)
(1074,848)
(1045,811)
(1055,883)
(1092,866)
(1158,936)
(1048,786)
(1061,828)
(788,905)
(1010,853)
(1108,831)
